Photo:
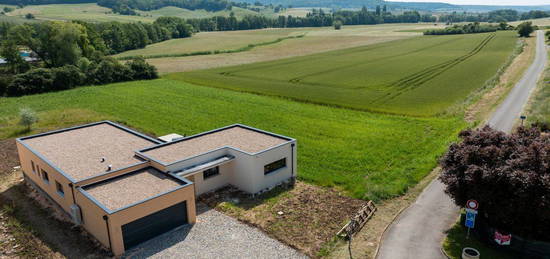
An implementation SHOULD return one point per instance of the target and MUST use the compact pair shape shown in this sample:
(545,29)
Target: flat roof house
(124,187)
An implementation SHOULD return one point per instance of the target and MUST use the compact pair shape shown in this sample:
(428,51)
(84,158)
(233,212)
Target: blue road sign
(470,219)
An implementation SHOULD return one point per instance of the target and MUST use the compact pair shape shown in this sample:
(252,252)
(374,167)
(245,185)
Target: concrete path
(215,235)
(420,229)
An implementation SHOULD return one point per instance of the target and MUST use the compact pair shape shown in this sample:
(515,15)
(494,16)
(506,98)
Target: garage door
(154,224)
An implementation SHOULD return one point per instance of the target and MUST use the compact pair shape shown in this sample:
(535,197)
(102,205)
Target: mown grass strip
(213,52)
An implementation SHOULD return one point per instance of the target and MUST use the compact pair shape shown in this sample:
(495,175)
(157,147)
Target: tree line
(469,28)
(69,54)
(493,16)
(128,6)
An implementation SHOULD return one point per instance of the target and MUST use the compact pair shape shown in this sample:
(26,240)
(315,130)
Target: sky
(484,2)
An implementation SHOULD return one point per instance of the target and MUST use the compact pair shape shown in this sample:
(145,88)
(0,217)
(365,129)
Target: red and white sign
(503,240)
(472,204)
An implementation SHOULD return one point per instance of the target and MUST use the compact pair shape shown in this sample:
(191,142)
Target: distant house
(27,56)
(124,187)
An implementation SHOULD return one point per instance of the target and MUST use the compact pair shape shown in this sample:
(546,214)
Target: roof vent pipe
(110,168)
(102,159)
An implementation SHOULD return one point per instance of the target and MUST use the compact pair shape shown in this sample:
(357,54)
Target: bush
(525,29)
(34,81)
(110,70)
(67,77)
(142,70)
(27,118)
(337,25)
(508,174)
(29,16)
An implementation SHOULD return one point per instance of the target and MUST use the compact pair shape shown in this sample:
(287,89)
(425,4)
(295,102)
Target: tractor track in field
(299,80)
(415,80)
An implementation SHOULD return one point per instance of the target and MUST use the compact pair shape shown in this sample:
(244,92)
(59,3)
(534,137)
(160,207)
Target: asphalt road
(420,229)
(509,111)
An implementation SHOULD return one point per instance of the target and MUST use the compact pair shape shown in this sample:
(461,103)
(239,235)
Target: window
(270,168)
(211,172)
(37,169)
(59,188)
(45,176)
(33,167)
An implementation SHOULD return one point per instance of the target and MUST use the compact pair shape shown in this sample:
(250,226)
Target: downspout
(72,191)
(106,218)
(292,158)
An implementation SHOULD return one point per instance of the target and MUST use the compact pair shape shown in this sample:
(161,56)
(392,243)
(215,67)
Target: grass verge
(539,105)
(456,241)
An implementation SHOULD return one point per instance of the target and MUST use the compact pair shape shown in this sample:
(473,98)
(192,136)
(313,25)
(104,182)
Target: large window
(211,172)
(45,176)
(59,188)
(272,167)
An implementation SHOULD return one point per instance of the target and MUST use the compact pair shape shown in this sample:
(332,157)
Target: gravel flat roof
(119,192)
(78,152)
(242,138)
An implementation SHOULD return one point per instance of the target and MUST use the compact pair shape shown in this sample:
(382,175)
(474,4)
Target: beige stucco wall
(25,158)
(215,182)
(93,215)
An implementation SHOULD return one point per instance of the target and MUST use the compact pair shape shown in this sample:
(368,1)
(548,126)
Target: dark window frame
(59,189)
(211,172)
(275,166)
(33,167)
(45,176)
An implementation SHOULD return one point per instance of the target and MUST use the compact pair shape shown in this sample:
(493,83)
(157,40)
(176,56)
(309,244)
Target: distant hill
(435,6)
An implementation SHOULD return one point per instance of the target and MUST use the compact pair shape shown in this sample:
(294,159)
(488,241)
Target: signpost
(471,212)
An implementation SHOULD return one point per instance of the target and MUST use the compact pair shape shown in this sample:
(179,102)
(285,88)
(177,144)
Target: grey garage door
(154,224)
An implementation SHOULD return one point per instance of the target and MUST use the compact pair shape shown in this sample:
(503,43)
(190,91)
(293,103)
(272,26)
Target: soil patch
(8,156)
(306,217)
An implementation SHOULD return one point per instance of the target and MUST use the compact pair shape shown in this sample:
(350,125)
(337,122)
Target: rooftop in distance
(79,151)
(132,188)
(237,136)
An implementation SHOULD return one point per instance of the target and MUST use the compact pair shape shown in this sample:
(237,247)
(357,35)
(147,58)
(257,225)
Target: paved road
(419,230)
(508,112)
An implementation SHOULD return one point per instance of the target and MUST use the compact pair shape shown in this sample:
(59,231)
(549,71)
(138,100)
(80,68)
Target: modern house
(125,187)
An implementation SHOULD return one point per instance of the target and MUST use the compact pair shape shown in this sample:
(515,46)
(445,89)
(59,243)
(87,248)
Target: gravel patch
(215,235)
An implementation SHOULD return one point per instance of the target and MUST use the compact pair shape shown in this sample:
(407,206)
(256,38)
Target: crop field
(422,76)
(210,41)
(366,155)
(315,40)
(95,13)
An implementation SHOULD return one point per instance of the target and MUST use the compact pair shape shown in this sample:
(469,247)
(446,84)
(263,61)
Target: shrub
(29,16)
(508,174)
(110,70)
(27,118)
(525,29)
(142,70)
(67,77)
(338,25)
(34,81)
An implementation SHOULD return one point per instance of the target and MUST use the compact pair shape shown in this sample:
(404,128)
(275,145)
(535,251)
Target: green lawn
(367,155)
(422,76)
(456,241)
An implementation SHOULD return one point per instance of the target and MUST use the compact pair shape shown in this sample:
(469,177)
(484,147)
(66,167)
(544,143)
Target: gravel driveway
(215,235)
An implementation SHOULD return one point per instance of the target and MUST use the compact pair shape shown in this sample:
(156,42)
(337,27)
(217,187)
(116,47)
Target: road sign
(472,204)
(470,219)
